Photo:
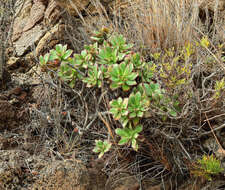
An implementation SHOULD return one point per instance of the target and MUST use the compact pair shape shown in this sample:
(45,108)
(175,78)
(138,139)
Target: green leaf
(125,102)
(124,121)
(121,56)
(140,114)
(132,115)
(123,141)
(114,86)
(173,113)
(121,132)
(42,60)
(101,147)
(53,56)
(138,129)
(134,145)
(138,97)
(131,83)
(124,112)
(59,48)
(67,54)
(116,102)
(46,57)
(125,87)
(135,121)
(83,53)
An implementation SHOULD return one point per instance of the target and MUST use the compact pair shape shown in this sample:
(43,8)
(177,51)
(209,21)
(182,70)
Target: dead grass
(154,24)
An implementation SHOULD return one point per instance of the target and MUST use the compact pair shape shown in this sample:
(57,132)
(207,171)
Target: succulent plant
(129,136)
(137,105)
(94,77)
(60,53)
(122,75)
(101,147)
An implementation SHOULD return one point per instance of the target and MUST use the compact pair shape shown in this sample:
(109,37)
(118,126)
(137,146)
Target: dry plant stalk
(221,149)
(166,23)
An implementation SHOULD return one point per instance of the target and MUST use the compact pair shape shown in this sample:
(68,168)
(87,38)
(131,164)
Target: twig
(213,130)
(189,157)
(214,117)
(109,130)
(214,134)
(107,126)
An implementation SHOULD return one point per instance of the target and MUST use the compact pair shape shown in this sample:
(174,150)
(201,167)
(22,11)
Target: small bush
(207,167)
(154,96)
(110,63)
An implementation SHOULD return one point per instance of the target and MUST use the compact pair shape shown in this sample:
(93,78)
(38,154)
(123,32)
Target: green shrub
(110,63)
(101,147)
(207,167)
(129,136)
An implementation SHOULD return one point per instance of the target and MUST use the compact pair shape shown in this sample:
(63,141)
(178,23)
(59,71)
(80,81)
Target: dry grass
(154,24)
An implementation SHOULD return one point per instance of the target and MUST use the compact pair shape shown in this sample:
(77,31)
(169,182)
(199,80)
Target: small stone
(16,91)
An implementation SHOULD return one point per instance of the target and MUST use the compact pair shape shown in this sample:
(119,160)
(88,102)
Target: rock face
(11,163)
(22,18)
(70,175)
(29,38)
(30,24)
(35,18)
(36,14)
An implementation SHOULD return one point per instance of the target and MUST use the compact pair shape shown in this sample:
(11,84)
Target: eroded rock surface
(34,19)
(28,39)
(36,14)
(11,164)
(22,13)
(70,175)
(18,169)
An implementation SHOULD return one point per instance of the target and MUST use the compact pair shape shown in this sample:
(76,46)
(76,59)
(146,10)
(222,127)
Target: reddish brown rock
(70,175)
(16,91)
(7,111)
